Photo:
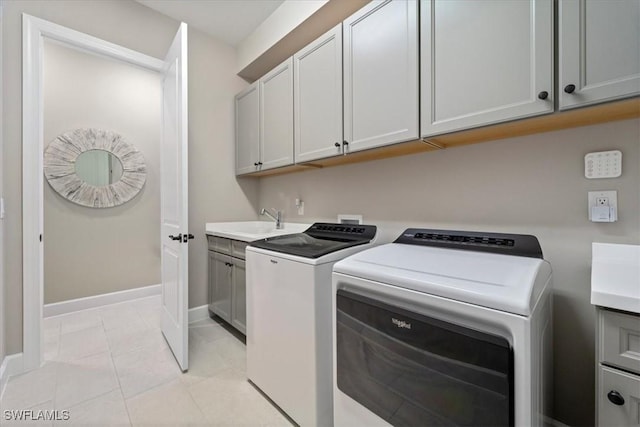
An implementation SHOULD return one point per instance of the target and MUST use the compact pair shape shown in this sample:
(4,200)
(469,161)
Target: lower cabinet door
(239,297)
(220,276)
(618,398)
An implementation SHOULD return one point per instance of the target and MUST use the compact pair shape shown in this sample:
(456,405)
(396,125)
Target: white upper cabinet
(599,51)
(318,98)
(248,130)
(381,74)
(276,116)
(484,62)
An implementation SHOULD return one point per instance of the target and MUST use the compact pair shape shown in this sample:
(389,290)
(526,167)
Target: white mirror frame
(60,158)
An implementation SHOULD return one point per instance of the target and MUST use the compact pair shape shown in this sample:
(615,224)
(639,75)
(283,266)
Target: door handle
(178,237)
(187,237)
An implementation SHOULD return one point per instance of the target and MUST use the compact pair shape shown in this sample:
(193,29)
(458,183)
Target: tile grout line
(115,371)
(196,403)
(92,398)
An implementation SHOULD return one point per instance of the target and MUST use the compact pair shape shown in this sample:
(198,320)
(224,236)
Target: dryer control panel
(506,244)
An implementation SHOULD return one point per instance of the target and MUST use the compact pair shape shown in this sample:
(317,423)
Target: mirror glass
(98,168)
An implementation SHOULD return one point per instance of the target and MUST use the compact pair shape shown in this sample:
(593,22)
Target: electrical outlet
(603,206)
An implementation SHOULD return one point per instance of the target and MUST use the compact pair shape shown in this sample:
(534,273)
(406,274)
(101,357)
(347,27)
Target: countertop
(615,276)
(249,231)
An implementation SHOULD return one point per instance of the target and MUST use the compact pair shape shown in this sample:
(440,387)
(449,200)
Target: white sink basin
(248,231)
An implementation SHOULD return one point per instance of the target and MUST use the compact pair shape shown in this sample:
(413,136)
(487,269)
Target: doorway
(172,141)
(91,251)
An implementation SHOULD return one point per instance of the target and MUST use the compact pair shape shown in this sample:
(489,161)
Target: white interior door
(174,207)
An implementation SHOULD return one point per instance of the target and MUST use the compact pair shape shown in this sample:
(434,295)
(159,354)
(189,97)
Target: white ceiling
(228,20)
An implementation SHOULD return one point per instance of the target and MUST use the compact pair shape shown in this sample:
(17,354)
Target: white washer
(289,316)
(443,328)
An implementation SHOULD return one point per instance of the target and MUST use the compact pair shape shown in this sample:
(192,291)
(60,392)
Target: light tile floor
(110,366)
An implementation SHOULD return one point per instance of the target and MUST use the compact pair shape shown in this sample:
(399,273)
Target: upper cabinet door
(248,130)
(484,62)
(276,116)
(381,74)
(599,51)
(318,98)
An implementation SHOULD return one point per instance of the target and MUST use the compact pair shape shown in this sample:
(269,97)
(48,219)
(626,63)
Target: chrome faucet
(277,217)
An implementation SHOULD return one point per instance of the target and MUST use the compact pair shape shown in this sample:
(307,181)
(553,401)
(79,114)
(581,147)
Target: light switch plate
(603,164)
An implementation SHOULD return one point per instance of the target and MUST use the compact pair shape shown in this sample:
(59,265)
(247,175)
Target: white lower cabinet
(599,57)
(484,62)
(618,398)
(618,369)
(381,74)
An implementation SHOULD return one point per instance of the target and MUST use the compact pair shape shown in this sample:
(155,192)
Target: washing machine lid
(319,240)
(507,283)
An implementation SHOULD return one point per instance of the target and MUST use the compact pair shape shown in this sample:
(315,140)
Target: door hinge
(41,237)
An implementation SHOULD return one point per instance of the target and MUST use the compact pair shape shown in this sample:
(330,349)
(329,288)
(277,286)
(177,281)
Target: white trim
(64,307)
(11,365)
(198,313)
(33,32)
(3,344)
(92,44)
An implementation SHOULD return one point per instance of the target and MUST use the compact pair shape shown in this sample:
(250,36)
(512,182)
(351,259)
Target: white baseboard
(70,306)
(11,365)
(198,313)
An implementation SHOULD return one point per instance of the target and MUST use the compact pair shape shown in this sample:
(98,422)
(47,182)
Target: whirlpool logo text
(401,323)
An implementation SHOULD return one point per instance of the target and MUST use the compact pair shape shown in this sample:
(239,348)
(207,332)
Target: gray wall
(96,251)
(533,184)
(211,88)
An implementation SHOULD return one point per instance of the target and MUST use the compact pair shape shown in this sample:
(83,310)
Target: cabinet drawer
(219,244)
(238,248)
(620,339)
(628,387)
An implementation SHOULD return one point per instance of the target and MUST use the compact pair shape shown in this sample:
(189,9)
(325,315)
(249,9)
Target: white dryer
(289,316)
(443,328)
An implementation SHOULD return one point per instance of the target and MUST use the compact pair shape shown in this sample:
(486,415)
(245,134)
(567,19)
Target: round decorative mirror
(94,168)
